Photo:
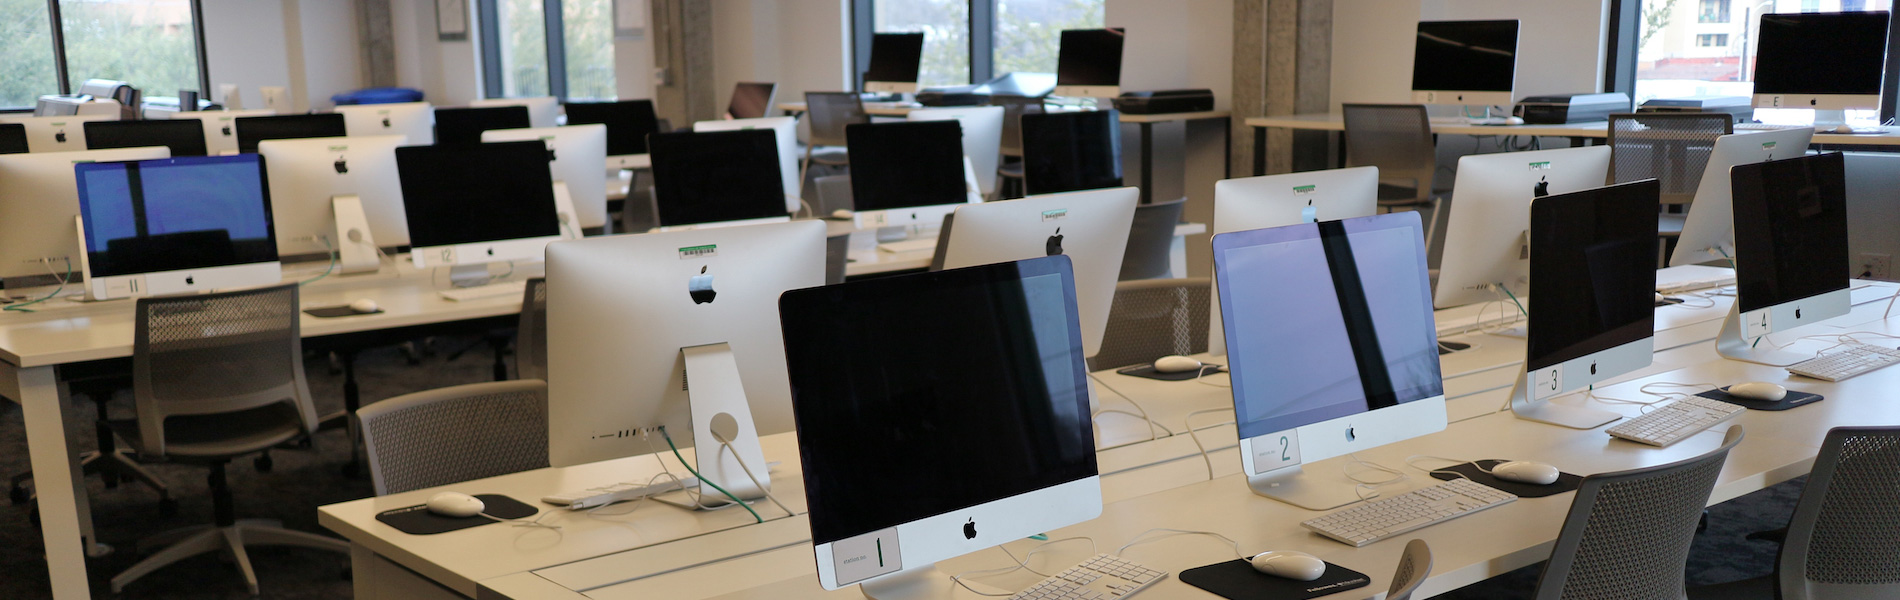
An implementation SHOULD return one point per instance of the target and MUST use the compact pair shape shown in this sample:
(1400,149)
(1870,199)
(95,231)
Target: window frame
(552,23)
(64,82)
(982,40)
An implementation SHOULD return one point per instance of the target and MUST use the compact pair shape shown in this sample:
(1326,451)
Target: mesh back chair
(1152,318)
(1414,565)
(1673,148)
(837,256)
(1012,141)
(455,434)
(1628,533)
(531,335)
(215,377)
(1150,240)
(834,194)
(830,112)
(1396,138)
(1844,540)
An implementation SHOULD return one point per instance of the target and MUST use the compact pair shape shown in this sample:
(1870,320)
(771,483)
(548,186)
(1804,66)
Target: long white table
(866,259)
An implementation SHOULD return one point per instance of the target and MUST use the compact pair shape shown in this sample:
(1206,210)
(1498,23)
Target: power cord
(1370,485)
(1021,565)
(22,307)
(726,446)
(1188,422)
(329,252)
(1131,402)
(1141,538)
(708,482)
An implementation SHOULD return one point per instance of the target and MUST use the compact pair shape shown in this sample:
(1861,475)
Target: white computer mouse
(363,306)
(1297,566)
(1842,129)
(455,504)
(1524,471)
(1514,120)
(1757,390)
(841,214)
(1176,364)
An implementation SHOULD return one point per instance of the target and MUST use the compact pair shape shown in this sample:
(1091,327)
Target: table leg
(65,511)
(1259,151)
(1227,146)
(1147,162)
(352,400)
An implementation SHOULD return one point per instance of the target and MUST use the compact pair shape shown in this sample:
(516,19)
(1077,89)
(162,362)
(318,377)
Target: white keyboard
(1846,362)
(1674,421)
(1105,576)
(1760,127)
(483,292)
(916,245)
(1698,280)
(619,492)
(1381,519)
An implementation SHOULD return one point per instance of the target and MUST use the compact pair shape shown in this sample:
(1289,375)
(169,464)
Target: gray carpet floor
(305,479)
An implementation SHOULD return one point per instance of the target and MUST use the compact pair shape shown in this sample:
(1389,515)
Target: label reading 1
(692,252)
(866,556)
(1051,215)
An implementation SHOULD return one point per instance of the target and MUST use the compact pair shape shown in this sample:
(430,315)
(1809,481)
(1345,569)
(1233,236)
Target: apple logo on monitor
(1351,436)
(1542,188)
(1797,312)
(60,136)
(189,280)
(969,529)
(226,131)
(385,122)
(1054,245)
(700,287)
(342,164)
(1593,368)
(550,155)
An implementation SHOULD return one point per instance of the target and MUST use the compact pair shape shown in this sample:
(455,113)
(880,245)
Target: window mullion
(982,40)
(59,47)
(557,48)
(489,25)
(204,63)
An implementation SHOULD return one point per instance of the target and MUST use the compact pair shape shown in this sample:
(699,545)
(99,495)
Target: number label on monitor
(866,556)
(1277,450)
(1547,382)
(1756,324)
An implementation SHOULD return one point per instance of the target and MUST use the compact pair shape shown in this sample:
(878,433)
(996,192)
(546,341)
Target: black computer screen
(751,100)
(185,137)
(1071,151)
(1790,229)
(628,122)
(173,214)
(1090,57)
(895,57)
(904,165)
(716,176)
(1465,56)
(1821,53)
(464,126)
(477,193)
(1593,265)
(12,138)
(984,397)
(251,130)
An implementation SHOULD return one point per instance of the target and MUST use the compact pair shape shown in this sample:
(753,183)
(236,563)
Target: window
(1713,11)
(151,44)
(1808,6)
(562,48)
(971,41)
(1853,5)
(1711,39)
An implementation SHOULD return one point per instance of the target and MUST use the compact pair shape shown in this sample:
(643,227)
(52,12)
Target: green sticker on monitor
(705,251)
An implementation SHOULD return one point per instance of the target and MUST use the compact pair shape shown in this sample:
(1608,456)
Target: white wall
(1177,44)
(308,46)
(1560,44)
(803,45)
(332,57)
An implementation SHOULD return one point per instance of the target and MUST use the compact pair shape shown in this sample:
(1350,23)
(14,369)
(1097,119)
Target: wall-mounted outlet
(1876,266)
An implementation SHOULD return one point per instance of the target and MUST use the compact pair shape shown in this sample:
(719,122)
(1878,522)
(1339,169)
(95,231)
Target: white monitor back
(1491,213)
(543,111)
(786,128)
(609,366)
(577,151)
(306,173)
(412,120)
(1091,227)
(38,200)
(982,137)
(220,127)
(1708,234)
(1280,200)
(56,134)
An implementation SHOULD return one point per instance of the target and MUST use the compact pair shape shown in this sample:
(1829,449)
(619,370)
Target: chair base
(110,467)
(180,544)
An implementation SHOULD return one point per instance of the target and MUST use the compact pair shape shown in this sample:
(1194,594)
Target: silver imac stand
(1561,415)
(723,433)
(1288,484)
(463,276)
(355,247)
(926,582)
(1733,346)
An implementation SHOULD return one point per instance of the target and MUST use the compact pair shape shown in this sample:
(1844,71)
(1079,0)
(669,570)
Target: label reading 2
(1276,450)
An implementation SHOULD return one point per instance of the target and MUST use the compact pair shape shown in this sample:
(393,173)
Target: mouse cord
(525,522)
(1141,538)
(1188,422)
(1412,461)
(1021,564)
(1203,373)
(1131,402)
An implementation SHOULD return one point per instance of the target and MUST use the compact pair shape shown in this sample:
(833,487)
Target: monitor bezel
(1504,98)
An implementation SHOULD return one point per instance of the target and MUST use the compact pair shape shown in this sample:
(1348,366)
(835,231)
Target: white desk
(866,259)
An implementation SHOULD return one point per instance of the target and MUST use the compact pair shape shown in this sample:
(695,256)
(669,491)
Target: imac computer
(1790,247)
(38,200)
(1290,199)
(1331,348)
(896,59)
(1708,234)
(907,174)
(220,127)
(786,128)
(468,206)
(56,134)
(1594,253)
(543,111)
(717,178)
(575,153)
(412,120)
(1090,227)
(707,315)
(175,225)
(251,130)
(1071,151)
(1485,237)
(464,126)
(337,194)
(183,138)
(1089,63)
(1465,63)
(13,139)
(982,138)
(1829,62)
(628,122)
(991,459)
(751,100)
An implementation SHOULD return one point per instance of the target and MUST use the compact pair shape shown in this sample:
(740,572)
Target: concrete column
(1282,65)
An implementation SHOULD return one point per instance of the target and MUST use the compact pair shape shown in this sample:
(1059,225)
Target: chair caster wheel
(263,463)
(167,508)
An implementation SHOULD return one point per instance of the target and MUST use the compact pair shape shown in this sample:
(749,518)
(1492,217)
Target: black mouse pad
(1565,481)
(1236,580)
(331,312)
(1148,371)
(1791,400)
(417,520)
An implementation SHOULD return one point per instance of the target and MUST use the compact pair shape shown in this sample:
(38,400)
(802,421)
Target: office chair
(1152,318)
(1628,533)
(1672,148)
(1012,145)
(111,463)
(460,433)
(834,194)
(1844,539)
(829,113)
(215,377)
(1414,565)
(531,334)
(1150,240)
(1397,138)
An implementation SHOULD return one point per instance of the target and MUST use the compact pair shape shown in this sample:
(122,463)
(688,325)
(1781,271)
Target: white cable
(536,522)
(1138,539)
(726,446)
(1117,411)
(1131,402)
(1203,373)
(1021,564)
(1188,421)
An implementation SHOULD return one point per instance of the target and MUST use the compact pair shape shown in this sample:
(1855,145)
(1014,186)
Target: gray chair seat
(221,435)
